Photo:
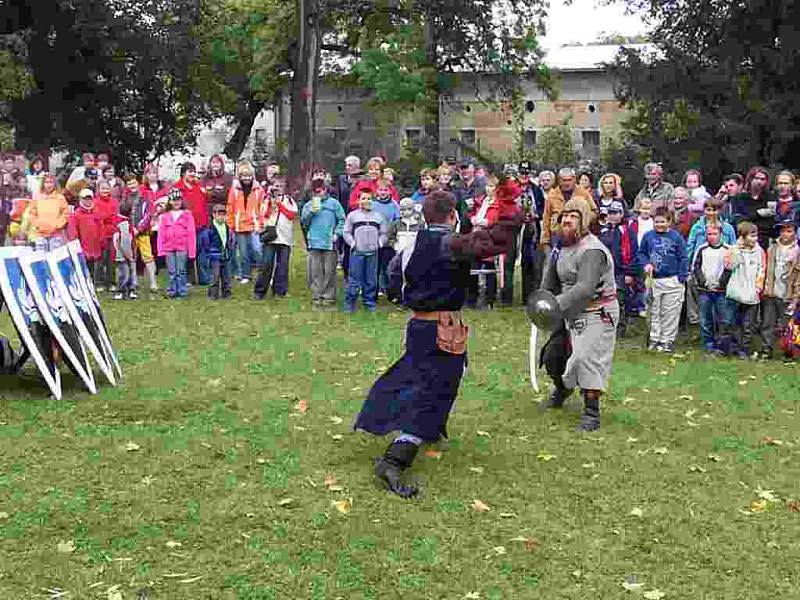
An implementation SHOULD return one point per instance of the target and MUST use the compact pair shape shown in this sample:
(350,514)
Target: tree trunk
(302,133)
(237,142)
(431,143)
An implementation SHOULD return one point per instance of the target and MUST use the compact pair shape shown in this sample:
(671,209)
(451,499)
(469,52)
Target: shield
(54,313)
(62,270)
(543,310)
(85,280)
(33,332)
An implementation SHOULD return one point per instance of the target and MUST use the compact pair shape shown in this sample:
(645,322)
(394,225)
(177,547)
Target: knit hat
(406,203)
(616,206)
(784,221)
(582,208)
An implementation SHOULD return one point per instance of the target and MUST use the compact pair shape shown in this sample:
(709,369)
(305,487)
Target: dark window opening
(530,106)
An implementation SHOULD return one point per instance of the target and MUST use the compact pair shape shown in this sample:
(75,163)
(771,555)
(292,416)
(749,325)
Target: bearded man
(578,300)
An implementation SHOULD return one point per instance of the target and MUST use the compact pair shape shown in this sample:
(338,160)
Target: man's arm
(484,243)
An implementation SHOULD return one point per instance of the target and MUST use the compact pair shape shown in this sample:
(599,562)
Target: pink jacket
(176,235)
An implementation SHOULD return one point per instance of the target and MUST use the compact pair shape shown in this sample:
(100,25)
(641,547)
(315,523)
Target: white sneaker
(244,281)
(133,295)
(119,296)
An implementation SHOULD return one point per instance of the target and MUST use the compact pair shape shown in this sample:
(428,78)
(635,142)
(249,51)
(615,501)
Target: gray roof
(586,58)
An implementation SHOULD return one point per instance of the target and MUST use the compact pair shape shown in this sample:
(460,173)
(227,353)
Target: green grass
(210,400)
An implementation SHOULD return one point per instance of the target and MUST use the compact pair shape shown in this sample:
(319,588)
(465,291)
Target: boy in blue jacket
(663,254)
(219,244)
(322,218)
(620,239)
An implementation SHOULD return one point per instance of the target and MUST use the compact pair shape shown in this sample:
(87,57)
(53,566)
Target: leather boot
(389,468)
(558,394)
(590,418)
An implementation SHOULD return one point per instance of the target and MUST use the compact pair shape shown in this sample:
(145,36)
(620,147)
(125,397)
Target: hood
(582,207)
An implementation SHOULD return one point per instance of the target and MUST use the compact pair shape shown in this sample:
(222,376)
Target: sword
(532,358)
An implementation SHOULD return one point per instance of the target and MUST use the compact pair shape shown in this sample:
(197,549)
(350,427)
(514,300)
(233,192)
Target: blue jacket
(419,196)
(697,236)
(621,242)
(389,209)
(211,244)
(666,252)
(322,227)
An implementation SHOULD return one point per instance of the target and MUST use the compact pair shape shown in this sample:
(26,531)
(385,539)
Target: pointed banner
(62,270)
(54,313)
(33,331)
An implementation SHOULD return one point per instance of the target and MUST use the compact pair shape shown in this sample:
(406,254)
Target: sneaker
(642,314)
(668,347)
(654,347)
(119,296)
(133,295)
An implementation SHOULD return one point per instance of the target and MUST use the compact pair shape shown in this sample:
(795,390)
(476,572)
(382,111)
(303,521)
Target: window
(590,138)
(530,138)
(261,135)
(592,108)
(413,138)
(530,106)
(467,137)
(339,135)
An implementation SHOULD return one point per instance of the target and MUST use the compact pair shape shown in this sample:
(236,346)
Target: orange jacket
(243,212)
(48,213)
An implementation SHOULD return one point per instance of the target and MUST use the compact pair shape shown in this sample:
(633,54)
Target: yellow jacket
(48,213)
(553,204)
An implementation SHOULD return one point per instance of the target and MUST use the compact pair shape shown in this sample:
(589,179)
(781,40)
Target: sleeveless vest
(568,265)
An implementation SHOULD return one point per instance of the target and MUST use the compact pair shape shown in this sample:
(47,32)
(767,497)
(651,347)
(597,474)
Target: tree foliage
(104,75)
(555,145)
(722,86)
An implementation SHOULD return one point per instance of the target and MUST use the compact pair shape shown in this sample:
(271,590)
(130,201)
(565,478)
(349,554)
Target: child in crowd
(323,220)
(141,216)
(776,300)
(125,254)
(682,217)
(365,233)
(427,183)
(663,254)
(245,200)
(48,213)
(746,284)
(370,182)
(86,226)
(619,238)
(711,274)
(486,282)
(693,180)
(277,236)
(642,220)
(176,242)
(390,211)
(409,223)
(17,236)
(106,208)
(219,244)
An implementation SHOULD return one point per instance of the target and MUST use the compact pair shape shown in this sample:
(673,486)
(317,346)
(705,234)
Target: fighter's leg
(397,458)
(590,419)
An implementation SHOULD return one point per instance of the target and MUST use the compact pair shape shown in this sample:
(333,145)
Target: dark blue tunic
(417,392)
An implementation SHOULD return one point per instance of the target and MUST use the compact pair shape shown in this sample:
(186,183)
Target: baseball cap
(524,167)
(616,206)
(90,173)
(86,193)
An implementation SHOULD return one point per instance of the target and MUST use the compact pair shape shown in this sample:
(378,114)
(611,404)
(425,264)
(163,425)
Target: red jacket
(86,226)
(107,211)
(149,197)
(372,186)
(195,201)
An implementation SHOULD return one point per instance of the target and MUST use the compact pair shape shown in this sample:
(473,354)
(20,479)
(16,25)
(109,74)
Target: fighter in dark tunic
(579,291)
(415,395)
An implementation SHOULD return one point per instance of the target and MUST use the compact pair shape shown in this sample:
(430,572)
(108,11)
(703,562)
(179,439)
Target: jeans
(773,320)
(362,275)
(275,269)
(105,273)
(714,312)
(176,267)
(745,317)
(126,276)
(201,273)
(507,293)
(385,255)
(221,279)
(248,246)
(48,244)
(322,274)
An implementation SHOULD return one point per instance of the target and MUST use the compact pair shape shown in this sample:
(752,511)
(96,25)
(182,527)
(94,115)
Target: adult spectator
(693,182)
(9,189)
(370,182)
(610,190)
(532,204)
(730,188)
(216,182)
(245,201)
(109,173)
(195,201)
(755,204)
(658,190)
(469,186)
(555,200)
(345,182)
(35,175)
(78,173)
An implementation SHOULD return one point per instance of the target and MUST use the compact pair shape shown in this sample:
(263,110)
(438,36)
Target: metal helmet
(543,310)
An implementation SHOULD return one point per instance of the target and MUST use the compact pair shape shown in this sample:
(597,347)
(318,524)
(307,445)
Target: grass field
(224,467)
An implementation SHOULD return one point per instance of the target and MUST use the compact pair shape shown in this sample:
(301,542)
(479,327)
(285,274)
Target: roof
(586,58)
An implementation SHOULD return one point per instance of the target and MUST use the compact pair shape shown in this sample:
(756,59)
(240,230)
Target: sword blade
(532,358)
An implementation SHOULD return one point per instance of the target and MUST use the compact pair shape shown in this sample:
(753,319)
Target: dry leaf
(793,505)
(330,480)
(768,441)
(171,544)
(499,550)
(431,453)
(352,354)
(714,458)
(483,433)
(589,465)
(690,413)
(286,502)
(632,586)
(531,544)
(654,595)
(758,506)
(132,447)
(336,420)
(480,506)
(544,456)
(636,512)
(472,596)
(343,506)
(65,547)
(767,495)
(4,516)
(663,372)
(478,470)
(743,382)
(191,579)
(686,397)
(646,390)
(299,428)
(335,488)
(302,406)
(629,400)
(696,469)
(660,450)
(632,440)
(261,461)
(147,480)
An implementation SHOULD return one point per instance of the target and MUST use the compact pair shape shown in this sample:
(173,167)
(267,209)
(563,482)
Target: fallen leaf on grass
(793,505)
(65,547)
(352,354)
(663,372)
(690,413)
(714,458)
(472,596)
(769,441)
(696,469)
(171,544)
(431,453)
(654,595)
(686,397)
(191,579)
(173,575)
(343,506)
(629,400)
(758,506)
(632,586)
(483,433)
(646,390)
(336,420)
(767,495)
(545,457)
(632,440)
(336,437)
(660,450)
(131,447)
(499,550)
(589,465)
(480,506)
(4,516)
(478,470)
(330,480)
(286,502)
(301,406)
(636,512)
(508,515)
(743,382)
